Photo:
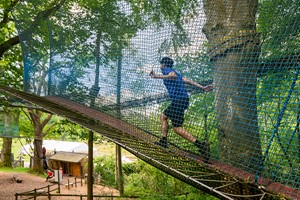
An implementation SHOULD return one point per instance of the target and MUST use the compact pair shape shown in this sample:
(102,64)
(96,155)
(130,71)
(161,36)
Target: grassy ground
(16,170)
(16,146)
(109,148)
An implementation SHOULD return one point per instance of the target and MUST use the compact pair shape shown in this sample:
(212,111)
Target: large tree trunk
(11,119)
(38,145)
(95,88)
(39,125)
(6,153)
(234,48)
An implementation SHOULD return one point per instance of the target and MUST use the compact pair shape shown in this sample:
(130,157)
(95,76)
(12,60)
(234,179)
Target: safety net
(239,98)
(9,126)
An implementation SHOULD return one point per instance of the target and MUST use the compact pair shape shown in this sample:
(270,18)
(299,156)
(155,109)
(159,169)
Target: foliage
(279,26)
(272,109)
(55,32)
(105,167)
(11,66)
(145,181)
(58,128)
(25,125)
(67,131)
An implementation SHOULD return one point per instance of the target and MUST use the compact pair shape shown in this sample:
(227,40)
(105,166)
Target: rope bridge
(215,177)
(90,62)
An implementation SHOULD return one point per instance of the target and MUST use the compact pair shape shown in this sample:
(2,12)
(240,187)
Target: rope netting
(107,55)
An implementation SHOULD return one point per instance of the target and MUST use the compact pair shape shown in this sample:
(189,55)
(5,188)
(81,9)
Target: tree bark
(39,124)
(6,153)
(234,49)
(5,46)
(11,118)
(95,88)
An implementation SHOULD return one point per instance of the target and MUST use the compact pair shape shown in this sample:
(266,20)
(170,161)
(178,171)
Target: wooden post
(58,182)
(16,196)
(118,164)
(119,170)
(34,194)
(49,196)
(90,167)
(68,184)
(75,182)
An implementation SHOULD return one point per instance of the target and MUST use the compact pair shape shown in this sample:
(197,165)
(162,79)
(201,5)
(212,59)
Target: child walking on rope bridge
(174,82)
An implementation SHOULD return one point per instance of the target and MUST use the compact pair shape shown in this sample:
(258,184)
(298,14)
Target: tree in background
(39,122)
(10,68)
(10,119)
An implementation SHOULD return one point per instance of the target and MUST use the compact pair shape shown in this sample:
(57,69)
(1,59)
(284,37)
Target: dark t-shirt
(176,88)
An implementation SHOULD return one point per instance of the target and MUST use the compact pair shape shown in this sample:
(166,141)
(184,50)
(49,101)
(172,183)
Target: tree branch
(46,120)
(43,15)
(48,129)
(27,33)
(26,115)
(4,20)
(5,46)
(33,115)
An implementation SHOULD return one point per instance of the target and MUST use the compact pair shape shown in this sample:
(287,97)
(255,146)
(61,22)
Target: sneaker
(162,143)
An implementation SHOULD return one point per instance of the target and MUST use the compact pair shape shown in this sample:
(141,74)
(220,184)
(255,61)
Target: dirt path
(8,187)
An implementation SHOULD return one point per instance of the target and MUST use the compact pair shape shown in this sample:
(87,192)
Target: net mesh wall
(100,53)
(9,126)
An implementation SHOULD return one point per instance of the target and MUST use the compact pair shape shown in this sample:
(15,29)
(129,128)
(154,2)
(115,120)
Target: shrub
(105,167)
